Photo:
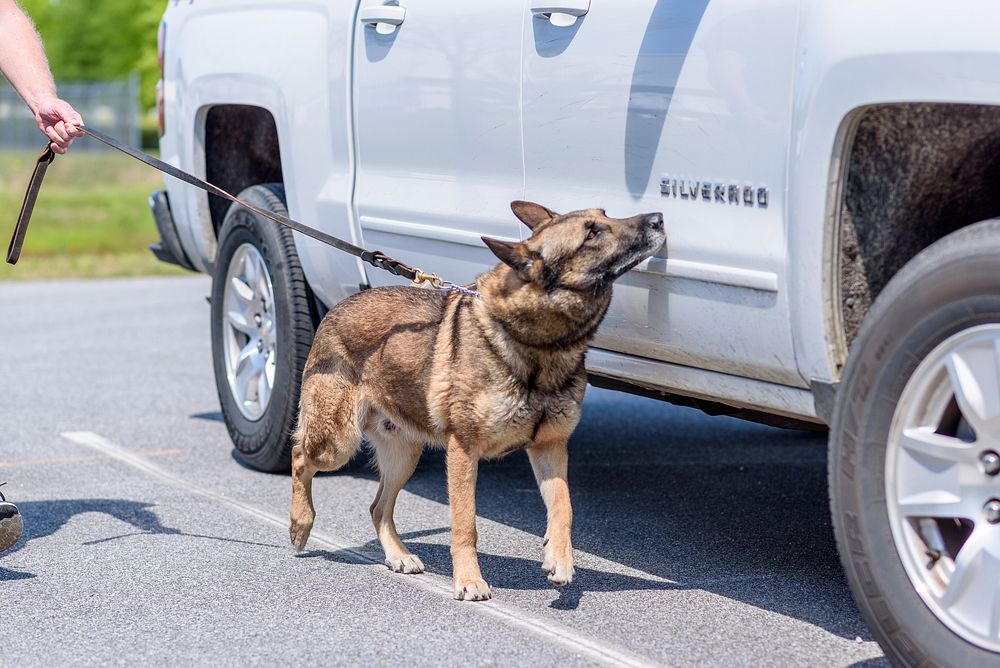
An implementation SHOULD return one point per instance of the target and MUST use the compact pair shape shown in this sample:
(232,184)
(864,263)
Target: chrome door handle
(389,15)
(562,13)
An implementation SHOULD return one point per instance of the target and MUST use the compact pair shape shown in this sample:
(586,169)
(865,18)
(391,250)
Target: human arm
(22,61)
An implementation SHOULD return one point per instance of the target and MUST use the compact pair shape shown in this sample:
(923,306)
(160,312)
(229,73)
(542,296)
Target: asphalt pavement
(700,541)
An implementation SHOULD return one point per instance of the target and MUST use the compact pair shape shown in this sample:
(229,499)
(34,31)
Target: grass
(91,218)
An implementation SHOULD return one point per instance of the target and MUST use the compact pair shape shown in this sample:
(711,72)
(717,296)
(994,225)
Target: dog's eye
(593,233)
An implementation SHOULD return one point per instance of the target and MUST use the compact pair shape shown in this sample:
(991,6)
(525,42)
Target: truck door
(437,123)
(679,106)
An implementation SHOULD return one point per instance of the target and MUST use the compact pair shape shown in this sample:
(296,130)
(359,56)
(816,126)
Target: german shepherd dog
(481,376)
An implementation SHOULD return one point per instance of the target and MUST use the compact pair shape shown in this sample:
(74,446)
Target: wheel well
(241,150)
(913,173)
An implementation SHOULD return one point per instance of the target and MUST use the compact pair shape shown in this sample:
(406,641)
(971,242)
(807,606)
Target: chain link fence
(111,106)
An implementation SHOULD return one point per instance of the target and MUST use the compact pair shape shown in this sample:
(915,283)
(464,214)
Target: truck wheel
(914,484)
(261,329)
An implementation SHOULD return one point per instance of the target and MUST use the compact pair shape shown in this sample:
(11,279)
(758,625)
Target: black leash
(374,258)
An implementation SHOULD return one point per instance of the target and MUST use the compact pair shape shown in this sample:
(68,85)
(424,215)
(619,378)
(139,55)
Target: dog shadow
(711,503)
(502,571)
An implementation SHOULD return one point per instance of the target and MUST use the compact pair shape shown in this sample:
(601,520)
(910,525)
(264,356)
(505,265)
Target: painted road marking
(83,458)
(440,585)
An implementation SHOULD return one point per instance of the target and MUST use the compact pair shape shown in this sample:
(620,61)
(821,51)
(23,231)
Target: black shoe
(11,526)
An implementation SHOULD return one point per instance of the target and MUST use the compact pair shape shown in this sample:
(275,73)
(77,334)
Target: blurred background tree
(99,40)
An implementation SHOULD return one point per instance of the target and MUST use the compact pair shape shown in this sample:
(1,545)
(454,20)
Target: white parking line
(439,585)
(80,458)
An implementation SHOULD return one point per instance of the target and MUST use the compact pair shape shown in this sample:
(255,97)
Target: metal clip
(434,280)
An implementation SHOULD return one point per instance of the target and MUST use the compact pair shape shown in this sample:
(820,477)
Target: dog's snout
(655,221)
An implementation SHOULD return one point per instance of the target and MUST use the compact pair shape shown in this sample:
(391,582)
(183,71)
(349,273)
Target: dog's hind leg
(397,460)
(326,438)
(302,513)
(549,460)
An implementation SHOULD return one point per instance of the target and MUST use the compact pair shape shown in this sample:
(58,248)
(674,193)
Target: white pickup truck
(827,172)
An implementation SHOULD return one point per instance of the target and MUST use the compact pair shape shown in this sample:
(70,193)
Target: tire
(282,326)
(940,305)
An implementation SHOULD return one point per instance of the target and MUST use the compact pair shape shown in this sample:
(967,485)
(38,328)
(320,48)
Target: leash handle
(28,205)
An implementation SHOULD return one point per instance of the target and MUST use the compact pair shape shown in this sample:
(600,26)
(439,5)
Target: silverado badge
(713,191)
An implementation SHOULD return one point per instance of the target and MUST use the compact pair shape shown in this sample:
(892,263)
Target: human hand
(58,121)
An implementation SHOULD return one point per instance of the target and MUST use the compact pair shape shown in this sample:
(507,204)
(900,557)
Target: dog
(480,375)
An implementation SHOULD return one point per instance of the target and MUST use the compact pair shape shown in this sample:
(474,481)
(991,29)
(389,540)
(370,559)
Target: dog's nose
(655,221)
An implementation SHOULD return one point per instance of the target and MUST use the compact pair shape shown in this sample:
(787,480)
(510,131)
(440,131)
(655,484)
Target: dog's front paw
(472,589)
(560,574)
(558,563)
(408,563)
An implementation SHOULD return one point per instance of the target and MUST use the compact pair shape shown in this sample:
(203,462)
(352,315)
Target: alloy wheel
(250,338)
(942,483)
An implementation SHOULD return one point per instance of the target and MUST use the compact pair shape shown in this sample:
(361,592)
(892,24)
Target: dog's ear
(531,214)
(513,254)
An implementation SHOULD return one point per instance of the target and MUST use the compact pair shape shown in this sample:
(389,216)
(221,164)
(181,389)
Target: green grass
(91,218)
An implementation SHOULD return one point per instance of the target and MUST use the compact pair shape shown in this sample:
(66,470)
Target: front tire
(262,328)
(916,424)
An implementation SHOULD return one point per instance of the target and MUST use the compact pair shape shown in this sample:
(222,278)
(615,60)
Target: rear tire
(893,498)
(261,329)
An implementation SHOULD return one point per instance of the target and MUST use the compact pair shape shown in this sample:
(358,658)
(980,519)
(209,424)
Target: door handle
(561,13)
(384,18)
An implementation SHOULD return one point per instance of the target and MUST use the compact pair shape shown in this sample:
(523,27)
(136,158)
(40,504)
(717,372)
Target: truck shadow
(717,504)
